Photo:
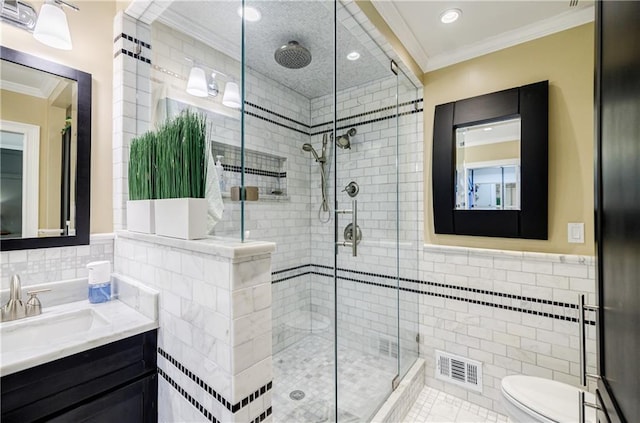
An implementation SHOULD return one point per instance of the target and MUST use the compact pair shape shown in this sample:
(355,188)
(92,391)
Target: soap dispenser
(99,281)
(221,175)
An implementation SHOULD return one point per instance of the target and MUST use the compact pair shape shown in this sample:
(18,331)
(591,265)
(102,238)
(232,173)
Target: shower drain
(296,395)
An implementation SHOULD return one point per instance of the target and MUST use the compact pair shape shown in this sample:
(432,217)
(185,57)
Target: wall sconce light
(231,97)
(52,27)
(197,83)
(213,86)
(199,86)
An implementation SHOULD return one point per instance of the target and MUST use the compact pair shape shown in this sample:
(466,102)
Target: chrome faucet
(15,308)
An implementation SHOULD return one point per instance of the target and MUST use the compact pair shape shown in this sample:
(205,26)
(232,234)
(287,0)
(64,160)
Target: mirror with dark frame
(45,146)
(490,164)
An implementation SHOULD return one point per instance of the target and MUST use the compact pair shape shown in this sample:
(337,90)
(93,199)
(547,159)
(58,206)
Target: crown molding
(147,11)
(507,39)
(228,46)
(396,22)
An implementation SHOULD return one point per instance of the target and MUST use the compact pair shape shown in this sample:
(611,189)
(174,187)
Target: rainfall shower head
(292,55)
(308,147)
(343,141)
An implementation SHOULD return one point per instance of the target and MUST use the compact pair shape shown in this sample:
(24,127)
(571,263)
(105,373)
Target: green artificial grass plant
(142,166)
(181,157)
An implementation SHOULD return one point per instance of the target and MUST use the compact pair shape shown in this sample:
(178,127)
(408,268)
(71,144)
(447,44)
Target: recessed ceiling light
(450,15)
(488,128)
(251,14)
(354,55)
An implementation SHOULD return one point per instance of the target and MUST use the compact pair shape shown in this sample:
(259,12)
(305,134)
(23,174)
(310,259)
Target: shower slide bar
(354,222)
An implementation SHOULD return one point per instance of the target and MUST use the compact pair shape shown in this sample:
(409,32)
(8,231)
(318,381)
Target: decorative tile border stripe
(447,291)
(380,119)
(206,413)
(382,109)
(262,416)
(227,404)
(130,38)
(238,169)
(277,272)
(406,103)
(137,54)
(264,109)
(309,128)
(133,55)
(188,397)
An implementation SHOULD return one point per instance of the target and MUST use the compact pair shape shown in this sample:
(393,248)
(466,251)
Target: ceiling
(485,26)
(308,22)
(27,81)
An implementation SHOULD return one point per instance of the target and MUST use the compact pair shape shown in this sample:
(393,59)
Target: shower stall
(329,131)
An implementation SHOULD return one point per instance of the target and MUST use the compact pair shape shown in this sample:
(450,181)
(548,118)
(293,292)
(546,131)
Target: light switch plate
(575,233)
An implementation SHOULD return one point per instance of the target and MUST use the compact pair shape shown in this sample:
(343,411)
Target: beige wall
(566,59)
(488,152)
(31,110)
(92,37)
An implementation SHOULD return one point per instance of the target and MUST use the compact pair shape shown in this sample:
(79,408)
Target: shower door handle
(582,307)
(354,224)
(582,403)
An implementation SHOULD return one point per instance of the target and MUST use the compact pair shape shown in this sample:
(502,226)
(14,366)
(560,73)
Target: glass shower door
(366,224)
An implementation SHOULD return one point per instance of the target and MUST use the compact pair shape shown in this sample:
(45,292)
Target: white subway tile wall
(214,339)
(509,310)
(131,102)
(44,265)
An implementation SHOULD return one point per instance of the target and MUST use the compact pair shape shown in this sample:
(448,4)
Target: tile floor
(307,366)
(433,406)
(365,382)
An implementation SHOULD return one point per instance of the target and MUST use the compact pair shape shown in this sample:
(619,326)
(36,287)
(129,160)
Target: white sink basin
(48,330)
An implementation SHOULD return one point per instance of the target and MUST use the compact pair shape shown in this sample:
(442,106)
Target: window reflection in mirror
(38,152)
(488,166)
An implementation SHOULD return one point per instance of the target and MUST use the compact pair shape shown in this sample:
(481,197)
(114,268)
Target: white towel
(213,195)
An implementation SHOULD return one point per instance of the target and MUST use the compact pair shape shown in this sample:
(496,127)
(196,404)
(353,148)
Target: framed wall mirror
(45,152)
(490,164)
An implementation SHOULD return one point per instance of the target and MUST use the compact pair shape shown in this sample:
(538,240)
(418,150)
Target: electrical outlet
(575,233)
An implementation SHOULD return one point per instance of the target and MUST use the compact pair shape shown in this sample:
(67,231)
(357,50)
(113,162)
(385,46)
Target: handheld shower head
(309,148)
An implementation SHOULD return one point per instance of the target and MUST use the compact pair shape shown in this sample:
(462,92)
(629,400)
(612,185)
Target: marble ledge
(122,322)
(510,254)
(216,246)
(101,237)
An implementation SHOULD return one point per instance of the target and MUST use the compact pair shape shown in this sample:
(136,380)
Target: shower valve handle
(352,189)
(354,222)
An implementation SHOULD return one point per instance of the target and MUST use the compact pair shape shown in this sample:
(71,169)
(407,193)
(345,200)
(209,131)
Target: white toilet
(529,399)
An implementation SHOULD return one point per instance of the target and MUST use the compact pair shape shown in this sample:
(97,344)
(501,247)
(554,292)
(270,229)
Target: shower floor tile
(307,366)
(434,406)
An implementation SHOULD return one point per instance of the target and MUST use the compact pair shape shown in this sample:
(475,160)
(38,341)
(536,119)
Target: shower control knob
(349,234)
(352,189)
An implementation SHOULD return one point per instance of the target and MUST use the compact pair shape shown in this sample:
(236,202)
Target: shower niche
(266,171)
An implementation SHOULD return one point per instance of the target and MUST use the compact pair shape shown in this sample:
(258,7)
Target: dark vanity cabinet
(112,383)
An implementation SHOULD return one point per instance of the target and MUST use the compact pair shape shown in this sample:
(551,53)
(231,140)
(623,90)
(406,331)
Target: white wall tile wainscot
(515,312)
(214,340)
(43,265)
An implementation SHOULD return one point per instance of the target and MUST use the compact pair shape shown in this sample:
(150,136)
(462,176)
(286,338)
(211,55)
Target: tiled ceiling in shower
(308,22)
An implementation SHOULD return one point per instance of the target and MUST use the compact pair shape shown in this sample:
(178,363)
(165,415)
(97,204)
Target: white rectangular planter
(141,216)
(184,218)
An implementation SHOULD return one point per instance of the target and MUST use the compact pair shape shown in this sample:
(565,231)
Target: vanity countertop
(67,329)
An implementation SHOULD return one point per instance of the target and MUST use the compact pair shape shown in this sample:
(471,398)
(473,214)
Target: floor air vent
(459,370)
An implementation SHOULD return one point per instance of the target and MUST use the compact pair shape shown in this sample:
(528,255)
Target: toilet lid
(554,400)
